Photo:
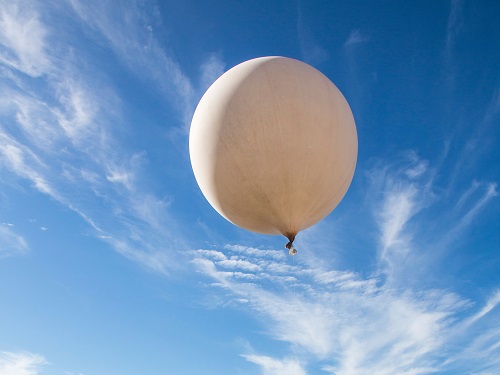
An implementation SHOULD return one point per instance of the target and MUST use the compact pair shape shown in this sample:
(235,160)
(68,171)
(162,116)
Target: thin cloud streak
(453,30)
(11,243)
(464,216)
(400,191)
(311,51)
(490,305)
(211,69)
(454,27)
(273,366)
(398,208)
(493,108)
(489,193)
(22,161)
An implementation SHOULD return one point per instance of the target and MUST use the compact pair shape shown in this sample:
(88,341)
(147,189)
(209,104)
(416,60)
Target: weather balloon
(273,146)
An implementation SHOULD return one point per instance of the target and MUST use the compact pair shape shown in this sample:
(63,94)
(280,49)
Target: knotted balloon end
(291,250)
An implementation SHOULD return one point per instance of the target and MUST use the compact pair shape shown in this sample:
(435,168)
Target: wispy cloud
(63,131)
(418,221)
(454,26)
(490,305)
(312,52)
(77,114)
(22,38)
(493,108)
(490,191)
(11,243)
(130,33)
(355,37)
(273,366)
(398,207)
(33,116)
(23,162)
(347,322)
(465,210)
(453,30)
(399,191)
(211,69)
(21,363)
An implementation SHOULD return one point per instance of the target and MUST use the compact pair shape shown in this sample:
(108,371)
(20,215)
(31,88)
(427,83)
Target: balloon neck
(291,250)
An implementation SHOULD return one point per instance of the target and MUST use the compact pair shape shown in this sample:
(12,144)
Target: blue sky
(112,261)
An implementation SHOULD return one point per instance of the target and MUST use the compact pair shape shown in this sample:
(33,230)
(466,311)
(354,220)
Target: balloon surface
(273,145)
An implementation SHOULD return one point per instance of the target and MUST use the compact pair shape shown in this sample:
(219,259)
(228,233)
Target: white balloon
(273,145)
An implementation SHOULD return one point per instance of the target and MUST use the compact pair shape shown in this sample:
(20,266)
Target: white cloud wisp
(350,323)
(11,243)
(21,363)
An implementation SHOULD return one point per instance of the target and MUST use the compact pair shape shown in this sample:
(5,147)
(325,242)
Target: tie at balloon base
(291,249)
